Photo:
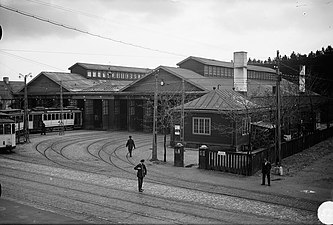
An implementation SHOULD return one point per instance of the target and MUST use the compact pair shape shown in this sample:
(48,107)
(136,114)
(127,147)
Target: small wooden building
(219,118)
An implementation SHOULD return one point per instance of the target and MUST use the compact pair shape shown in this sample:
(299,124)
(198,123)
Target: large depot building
(119,98)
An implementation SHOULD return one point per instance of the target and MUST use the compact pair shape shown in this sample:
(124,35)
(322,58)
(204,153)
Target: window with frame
(201,125)
(132,107)
(246,125)
(105,107)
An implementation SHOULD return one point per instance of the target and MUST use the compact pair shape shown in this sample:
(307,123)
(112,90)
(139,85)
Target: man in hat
(130,145)
(266,172)
(142,171)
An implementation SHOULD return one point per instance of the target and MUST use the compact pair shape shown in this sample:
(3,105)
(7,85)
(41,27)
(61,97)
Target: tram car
(7,133)
(71,118)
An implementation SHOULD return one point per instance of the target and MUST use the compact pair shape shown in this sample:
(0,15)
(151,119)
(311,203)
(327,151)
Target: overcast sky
(149,33)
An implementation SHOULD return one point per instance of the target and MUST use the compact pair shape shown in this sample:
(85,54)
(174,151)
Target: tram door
(36,122)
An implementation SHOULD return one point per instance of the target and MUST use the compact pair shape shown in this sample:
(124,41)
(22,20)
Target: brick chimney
(240,72)
(6,80)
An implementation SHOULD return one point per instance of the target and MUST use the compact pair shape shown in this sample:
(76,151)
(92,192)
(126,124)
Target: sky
(53,35)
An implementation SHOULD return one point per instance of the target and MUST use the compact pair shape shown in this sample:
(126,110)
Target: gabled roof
(90,66)
(203,83)
(213,62)
(221,101)
(7,90)
(70,81)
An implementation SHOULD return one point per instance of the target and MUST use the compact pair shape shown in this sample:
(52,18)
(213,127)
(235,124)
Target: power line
(20,57)
(86,32)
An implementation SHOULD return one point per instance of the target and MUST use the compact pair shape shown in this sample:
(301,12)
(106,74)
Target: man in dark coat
(43,128)
(142,171)
(266,171)
(130,145)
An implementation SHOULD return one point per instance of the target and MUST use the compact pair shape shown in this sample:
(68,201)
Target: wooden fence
(248,163)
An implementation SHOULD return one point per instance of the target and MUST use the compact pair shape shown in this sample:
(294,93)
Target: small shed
(219,118)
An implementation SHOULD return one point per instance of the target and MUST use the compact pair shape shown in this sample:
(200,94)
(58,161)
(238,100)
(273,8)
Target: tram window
(49,117)
(53,116)
(1,129)
(57,116)
(8,128)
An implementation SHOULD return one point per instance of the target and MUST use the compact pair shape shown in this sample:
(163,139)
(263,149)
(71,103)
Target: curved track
(100,154)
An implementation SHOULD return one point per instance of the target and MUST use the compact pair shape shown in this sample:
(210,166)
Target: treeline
(319,68)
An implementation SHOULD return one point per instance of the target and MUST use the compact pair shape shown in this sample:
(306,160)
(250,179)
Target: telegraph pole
(278,111)
(182,112)
(154,151)
(61,110)
(26,120)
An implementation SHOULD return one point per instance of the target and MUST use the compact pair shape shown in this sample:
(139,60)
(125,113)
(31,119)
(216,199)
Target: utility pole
(26,120)
(154,150)
(278,111)
(61,110)
(182,112)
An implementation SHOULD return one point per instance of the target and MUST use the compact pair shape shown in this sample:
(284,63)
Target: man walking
(142,171)
(130,145)
(266,171)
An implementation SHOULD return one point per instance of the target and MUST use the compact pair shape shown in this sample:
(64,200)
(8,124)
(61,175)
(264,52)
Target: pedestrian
(266,172)
(61,128)
(43,129)
(130,145)
(142,171)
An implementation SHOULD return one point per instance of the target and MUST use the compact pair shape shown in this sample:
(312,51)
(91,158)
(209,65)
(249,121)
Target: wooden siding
(43,86)
(193,65)
(79,70)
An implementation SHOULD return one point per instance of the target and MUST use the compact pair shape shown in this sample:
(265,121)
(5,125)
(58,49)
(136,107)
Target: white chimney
(302,79)
(6,80)
(240,71)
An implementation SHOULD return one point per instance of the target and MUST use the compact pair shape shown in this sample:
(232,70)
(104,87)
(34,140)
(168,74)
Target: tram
(7,133)
(70,119)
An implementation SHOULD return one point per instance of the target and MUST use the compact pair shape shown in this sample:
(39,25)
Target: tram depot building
(120,98)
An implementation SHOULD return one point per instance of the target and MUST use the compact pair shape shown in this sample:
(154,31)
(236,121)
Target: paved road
(88,176)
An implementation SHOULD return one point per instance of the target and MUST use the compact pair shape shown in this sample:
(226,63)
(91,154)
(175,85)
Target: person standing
(266,172)
(43,129)
(130,145)
(142,171)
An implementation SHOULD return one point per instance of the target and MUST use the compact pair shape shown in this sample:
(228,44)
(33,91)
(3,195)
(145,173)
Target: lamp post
(26,121)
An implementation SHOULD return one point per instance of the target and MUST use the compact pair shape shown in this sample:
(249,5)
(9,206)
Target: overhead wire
(87,32)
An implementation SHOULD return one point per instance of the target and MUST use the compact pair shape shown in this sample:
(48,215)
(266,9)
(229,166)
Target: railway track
(109,158)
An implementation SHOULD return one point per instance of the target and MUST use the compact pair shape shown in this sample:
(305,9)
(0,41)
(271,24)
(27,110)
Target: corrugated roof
(213,62)
(221,100)
(90,66)
(71,81)
(108,86)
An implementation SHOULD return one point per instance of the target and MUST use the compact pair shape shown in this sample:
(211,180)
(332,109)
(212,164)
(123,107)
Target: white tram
(71,118)
(7,134)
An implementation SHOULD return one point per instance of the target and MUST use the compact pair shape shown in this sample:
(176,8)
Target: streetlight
(26,121)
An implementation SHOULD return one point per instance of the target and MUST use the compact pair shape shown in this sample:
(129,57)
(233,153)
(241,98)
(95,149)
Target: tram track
(164,178)
(153,202)
(111,147)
